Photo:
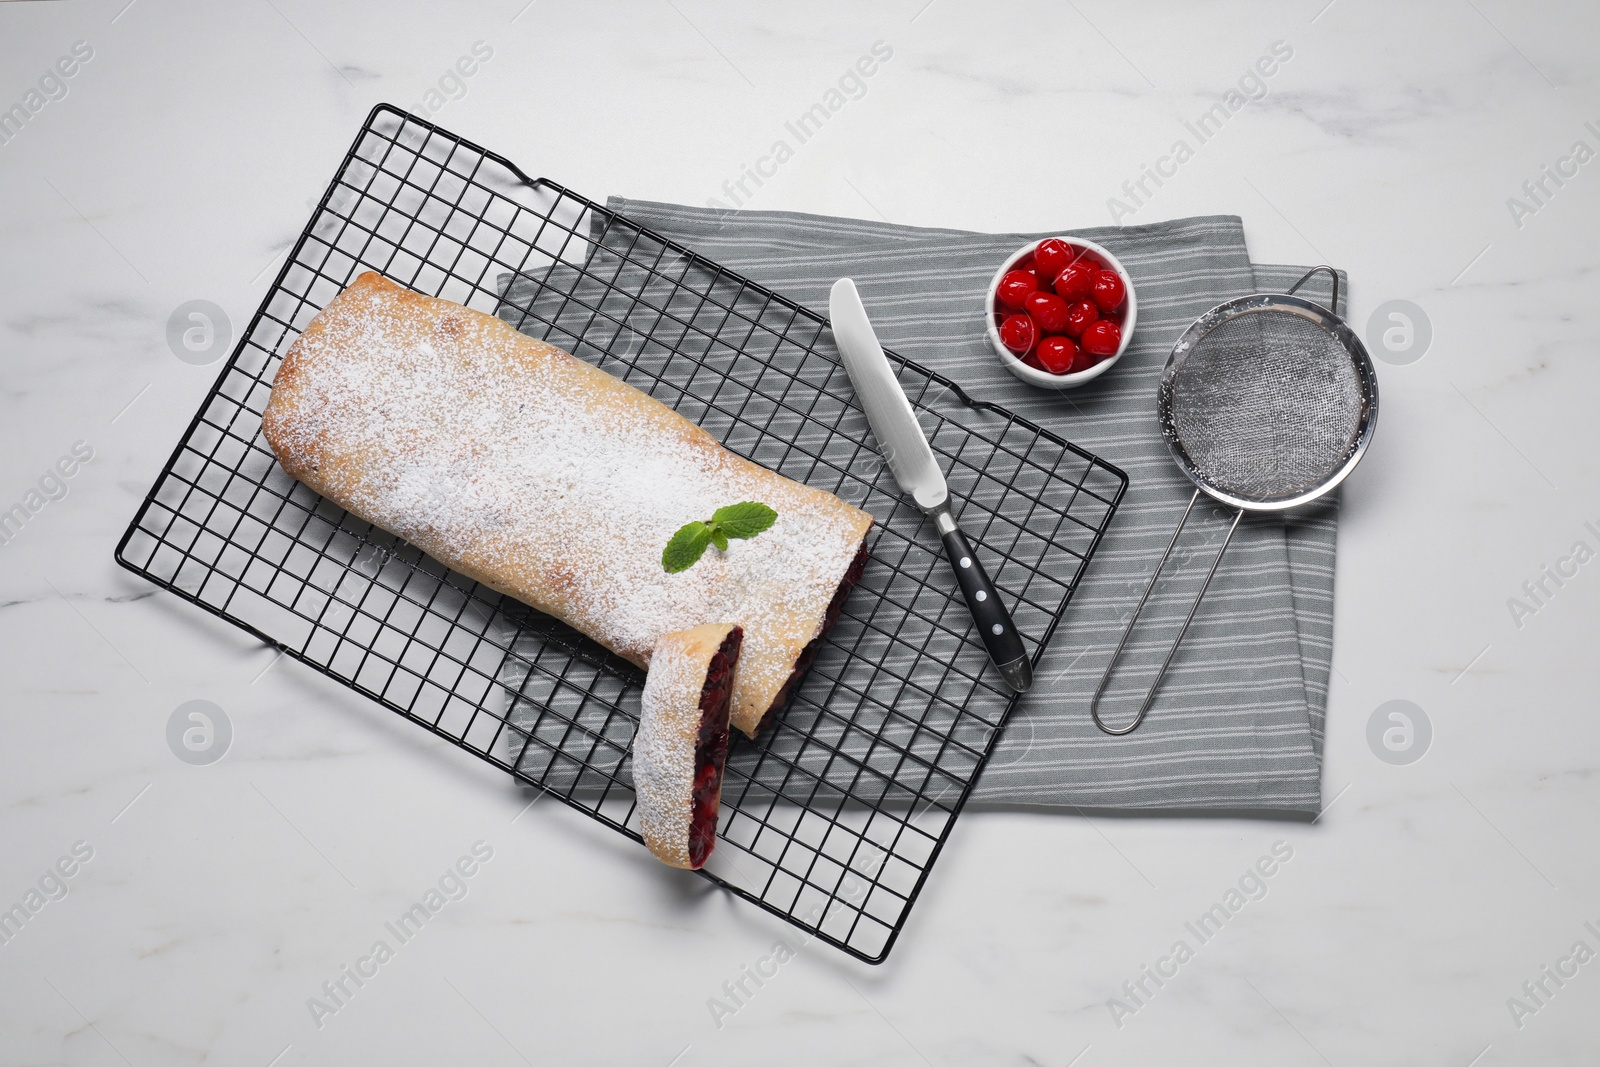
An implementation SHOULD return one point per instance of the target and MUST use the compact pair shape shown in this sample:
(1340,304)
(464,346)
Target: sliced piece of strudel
(552,481)
(682,742)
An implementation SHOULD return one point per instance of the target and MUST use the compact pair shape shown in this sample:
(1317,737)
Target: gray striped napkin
(1238,724)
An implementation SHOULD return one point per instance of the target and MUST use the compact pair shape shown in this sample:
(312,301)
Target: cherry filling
(809,654)
(711,748)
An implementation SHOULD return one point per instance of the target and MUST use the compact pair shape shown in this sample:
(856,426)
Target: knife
(905,449)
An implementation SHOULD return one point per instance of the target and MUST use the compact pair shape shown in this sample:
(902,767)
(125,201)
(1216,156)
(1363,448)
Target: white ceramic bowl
(1043,378)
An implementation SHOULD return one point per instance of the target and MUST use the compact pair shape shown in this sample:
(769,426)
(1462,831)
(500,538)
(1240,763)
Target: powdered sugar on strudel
(550,480)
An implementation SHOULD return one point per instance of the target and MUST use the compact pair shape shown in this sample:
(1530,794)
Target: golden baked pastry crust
(669,729)
(551,481)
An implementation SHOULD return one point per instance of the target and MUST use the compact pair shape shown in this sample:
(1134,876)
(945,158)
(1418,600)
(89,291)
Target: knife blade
(905,450)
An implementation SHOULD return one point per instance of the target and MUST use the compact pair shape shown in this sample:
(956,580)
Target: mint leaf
(685,547)
(736,520)
(743,520)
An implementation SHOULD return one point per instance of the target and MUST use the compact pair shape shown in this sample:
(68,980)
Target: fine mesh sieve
(1266,403)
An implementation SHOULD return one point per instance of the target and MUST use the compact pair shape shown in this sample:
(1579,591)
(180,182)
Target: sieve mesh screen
(1267,405)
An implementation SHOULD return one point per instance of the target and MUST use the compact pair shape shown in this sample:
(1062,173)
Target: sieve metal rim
(1256,304)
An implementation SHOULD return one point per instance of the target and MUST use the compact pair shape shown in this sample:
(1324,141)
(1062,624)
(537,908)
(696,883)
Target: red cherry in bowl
(1076,282)
(1108,291)
(1102,338)
(1079,317)
(1019,334)
(1052,257)
(1048,311)
(1014,289)
(1056,354)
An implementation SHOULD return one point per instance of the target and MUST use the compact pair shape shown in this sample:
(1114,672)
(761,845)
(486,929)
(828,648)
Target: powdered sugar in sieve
(1266,405)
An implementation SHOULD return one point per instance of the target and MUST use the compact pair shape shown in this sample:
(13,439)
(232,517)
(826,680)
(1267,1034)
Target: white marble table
(177,162)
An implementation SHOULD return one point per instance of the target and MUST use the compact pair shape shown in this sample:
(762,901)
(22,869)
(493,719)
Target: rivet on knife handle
(994,622)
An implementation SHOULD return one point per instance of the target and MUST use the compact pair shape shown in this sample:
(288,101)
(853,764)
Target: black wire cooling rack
(832,819)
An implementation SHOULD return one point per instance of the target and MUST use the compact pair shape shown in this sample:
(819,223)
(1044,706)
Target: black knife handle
(994,623)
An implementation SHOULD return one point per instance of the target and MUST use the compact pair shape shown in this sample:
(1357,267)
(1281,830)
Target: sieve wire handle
(1149,697)
(1333,305)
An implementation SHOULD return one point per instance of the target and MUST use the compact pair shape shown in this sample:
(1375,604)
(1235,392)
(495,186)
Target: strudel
(682,742)
(556,483)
